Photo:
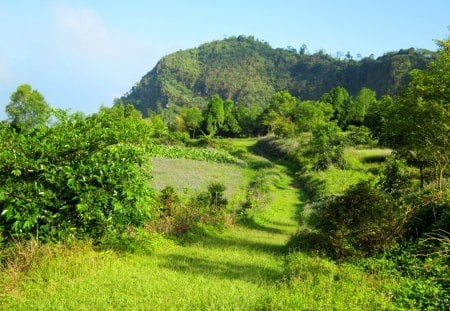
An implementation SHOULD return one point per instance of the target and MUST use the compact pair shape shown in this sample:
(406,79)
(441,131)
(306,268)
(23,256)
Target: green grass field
(246,267)
(193,176)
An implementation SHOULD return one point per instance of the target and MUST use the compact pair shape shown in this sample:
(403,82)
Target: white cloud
(83,31)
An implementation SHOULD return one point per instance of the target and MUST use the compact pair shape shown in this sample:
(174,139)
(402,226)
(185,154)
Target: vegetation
(81,176)
(225,217)
(248,72)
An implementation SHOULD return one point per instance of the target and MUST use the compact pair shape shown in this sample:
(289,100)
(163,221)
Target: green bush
(327,146)
(362,221)
(425,282)
(81,176)
(181,215)
(258,193)
(394,178)
(429,212)
(359,135)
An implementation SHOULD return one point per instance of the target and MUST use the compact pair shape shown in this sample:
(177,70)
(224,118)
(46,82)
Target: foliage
(327,145)
(341,101)
(428,213)
(27,108)
(359,135)
(249,71)
(82,176)
(360,105)
(202,154)
(420,122)
(376,118)
(425,277)
(310,114)
(182,215)
(214,115)
(394,178)
(279,116)
(362,221)
(193,118)
(220,118)
(258,194)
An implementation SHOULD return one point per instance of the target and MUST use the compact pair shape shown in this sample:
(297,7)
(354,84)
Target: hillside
(249,71)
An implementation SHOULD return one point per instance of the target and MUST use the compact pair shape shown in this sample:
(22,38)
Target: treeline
(284,115)
(249,72)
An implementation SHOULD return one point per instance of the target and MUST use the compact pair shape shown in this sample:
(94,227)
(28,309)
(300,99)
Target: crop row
(201,154)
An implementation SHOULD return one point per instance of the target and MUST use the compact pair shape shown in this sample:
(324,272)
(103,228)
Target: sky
(82,54)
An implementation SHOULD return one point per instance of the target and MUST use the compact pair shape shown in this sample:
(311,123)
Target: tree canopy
(27,108)
(420,121)
(249,72)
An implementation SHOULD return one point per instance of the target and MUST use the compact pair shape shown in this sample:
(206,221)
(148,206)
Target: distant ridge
(249,71)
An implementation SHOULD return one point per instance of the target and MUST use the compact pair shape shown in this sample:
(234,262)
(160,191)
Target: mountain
(250,71)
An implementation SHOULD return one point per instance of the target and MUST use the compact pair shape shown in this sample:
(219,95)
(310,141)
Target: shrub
(394,178)
(428,212)
(362,221)
(359,135)
(182,215)
(327,146)
(258,192)
(82,176)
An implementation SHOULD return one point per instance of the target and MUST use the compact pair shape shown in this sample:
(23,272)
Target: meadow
(245,266)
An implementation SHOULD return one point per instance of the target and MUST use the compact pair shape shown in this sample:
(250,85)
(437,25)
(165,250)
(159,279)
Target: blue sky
(81,54)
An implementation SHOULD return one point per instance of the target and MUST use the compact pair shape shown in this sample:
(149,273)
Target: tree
(310,114)
(280,116)
(377,115)
(362,221)
(230,126)
(327,145)
(214,115)
(394,178)
(193,118)
(358,109)
(341,100)
(420,122)
(27,108)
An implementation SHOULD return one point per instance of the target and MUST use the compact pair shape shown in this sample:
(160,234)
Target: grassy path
(243,268)
(236,270)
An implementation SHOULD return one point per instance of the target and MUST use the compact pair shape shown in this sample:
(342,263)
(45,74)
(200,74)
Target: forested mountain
(249,72)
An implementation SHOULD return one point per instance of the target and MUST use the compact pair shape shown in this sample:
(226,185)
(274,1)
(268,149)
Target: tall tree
(341,100)
(193,118)
(311,113)
(420,121)
(27,108)
(358,108)
(376,118)
(214,115)
(280,116)
(230,125)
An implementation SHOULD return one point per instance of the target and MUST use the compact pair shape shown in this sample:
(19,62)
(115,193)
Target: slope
(249,71)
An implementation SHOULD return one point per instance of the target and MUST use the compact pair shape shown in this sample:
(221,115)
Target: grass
(364,159)
(243,268)
(197,175)
(360,164)
(336,181)
(319,284)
